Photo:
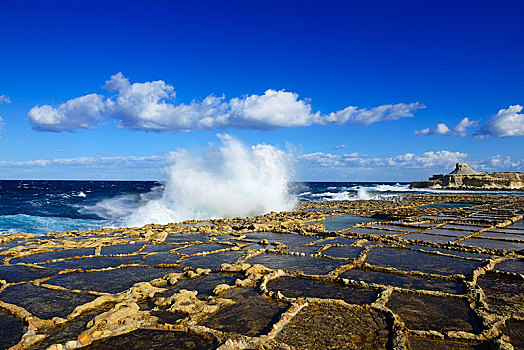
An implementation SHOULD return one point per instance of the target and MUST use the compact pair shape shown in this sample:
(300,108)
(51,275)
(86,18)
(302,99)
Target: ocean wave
(233,181)
(43,224)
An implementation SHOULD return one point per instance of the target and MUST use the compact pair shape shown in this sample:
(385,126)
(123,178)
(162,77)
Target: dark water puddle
(401,281)
(503,235)
(153,339)
(441,344)
(19,273)
(168,317)
(160,258)
(465,227)
(503,295)
(122,248)
(439,314)
(9,245)
(42,302)
(452,252)
(11,330)
(257,246)
(450,205)
(306,250)
(396,227)
(320,327)
(428,238)
(252,315)
(423,224)
(374,231)
(340,222)
(211,261)
(439,217)
(159,248)
(198,248)
(492,244)
(511,266)
(96,262)
(404,259)
(205,285)
(444,232)
(337,240)
(61,254)
(519,225)
(343,252)
(299,287)
(308,265)
(67,332)
(112,281)
(514,329)
(186,237)
(289,239)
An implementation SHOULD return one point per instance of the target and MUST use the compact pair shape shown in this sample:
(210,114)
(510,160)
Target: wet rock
(336,326)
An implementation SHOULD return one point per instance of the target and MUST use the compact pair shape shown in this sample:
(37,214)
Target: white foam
(233,181)
(363,194)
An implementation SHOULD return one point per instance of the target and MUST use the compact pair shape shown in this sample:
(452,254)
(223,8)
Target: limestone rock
(465,178)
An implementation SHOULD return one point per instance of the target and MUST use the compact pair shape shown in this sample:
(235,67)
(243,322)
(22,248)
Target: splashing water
(235,181)
(362,193)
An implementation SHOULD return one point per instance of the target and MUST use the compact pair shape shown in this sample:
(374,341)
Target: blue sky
(106,89)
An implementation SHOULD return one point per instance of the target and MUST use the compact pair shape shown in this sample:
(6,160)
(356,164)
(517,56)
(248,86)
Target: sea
(41,206)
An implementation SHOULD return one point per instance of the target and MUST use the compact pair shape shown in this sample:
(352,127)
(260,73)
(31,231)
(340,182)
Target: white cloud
(353,115)
(441,159)
(442,129)
(438,159)
(92,162)
(507,122)
(498,163)
(151,106)
(78,113)
(1,125)
(4,99)
(274,109)
(113,167)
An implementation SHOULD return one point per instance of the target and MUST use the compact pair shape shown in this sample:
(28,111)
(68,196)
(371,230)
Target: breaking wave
(233,181)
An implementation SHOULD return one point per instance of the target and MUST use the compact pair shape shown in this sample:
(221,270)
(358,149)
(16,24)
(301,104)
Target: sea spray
(362,193)
(235,181)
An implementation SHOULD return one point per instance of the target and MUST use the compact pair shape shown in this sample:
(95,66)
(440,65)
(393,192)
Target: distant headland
(465,178)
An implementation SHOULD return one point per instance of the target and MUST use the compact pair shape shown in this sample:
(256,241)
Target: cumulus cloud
(78,113)
(442,129)
(432,159)
(427,159)
(498,163)
(507,122)
(4,99)
(152,106)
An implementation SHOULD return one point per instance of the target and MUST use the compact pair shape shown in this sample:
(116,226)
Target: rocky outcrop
(465,178)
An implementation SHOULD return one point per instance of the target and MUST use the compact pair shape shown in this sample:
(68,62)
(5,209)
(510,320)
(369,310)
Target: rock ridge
(465,178)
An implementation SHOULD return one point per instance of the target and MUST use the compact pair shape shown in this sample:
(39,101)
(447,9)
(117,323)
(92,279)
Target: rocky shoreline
(465,178)
(420,272)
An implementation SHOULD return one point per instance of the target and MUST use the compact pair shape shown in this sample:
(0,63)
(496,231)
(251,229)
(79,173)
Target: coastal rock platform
(418,272)
(465,178)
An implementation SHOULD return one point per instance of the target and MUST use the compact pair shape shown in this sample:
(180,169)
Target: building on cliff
(465,178)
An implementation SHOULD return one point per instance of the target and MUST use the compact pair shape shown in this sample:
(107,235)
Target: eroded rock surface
(422,271)
(465,178)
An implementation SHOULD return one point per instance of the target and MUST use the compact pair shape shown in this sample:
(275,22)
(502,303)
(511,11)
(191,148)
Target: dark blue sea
(42,206)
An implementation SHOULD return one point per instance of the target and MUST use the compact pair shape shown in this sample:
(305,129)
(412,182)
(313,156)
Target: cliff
(465,178)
